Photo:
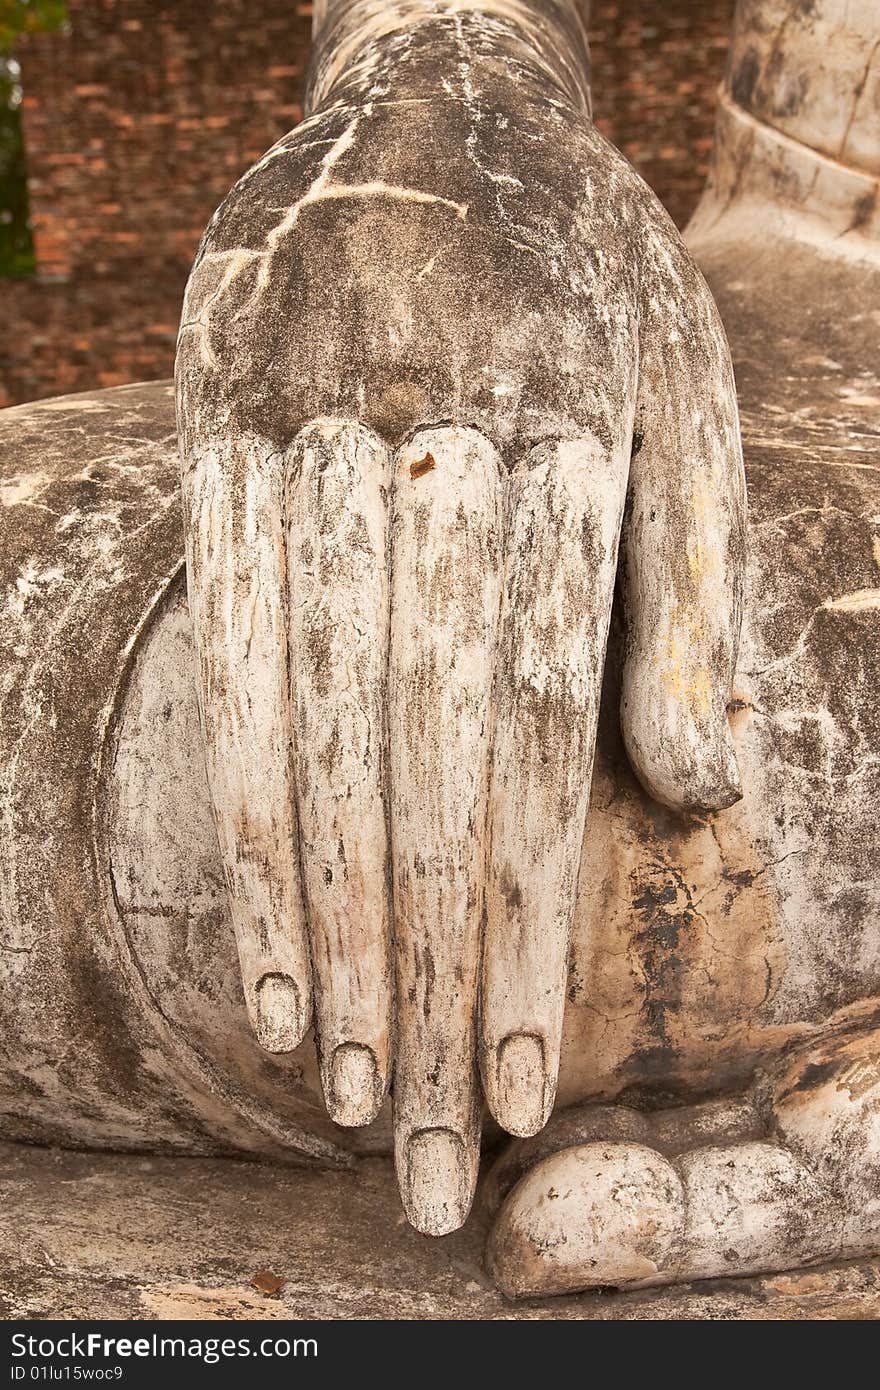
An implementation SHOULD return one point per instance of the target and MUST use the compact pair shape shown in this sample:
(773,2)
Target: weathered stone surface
(114,1235)
(706,951)
(168,856)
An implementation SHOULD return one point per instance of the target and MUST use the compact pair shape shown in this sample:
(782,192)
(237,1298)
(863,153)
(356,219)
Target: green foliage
(16,247)
(28,17)
(17,17)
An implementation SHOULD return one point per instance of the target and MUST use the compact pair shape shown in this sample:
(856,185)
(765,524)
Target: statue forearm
(546,35)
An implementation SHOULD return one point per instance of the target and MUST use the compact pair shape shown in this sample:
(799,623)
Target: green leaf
(29,17)
(18,17)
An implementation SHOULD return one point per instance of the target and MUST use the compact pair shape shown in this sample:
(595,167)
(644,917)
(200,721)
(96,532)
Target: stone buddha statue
(492,778)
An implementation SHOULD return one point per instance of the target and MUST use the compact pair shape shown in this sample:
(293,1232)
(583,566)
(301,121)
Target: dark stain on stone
(864,210)
(102,1020)
(792,98)
(511,890)
(815,1074)
(651,898)
(88,494)
(745,78)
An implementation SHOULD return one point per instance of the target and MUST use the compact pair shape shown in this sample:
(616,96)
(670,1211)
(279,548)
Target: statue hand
(439,346)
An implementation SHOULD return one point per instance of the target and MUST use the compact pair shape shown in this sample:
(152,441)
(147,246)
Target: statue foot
(783,1178)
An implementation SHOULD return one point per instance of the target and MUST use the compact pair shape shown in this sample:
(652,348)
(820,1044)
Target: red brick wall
(139,120)
(657,65)
(140,117)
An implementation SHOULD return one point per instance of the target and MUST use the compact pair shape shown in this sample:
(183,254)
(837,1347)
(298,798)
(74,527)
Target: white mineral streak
(217,271)
(565,508)
(199,300)
(446,587)
(339,478)
(237,583)
(859,602)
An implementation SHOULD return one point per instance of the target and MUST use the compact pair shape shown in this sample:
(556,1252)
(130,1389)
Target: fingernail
(279,1022)
(437,1183)
(522,1100)
(354,1089)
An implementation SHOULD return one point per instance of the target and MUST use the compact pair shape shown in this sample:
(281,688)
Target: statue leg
(785,1177)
